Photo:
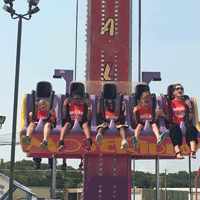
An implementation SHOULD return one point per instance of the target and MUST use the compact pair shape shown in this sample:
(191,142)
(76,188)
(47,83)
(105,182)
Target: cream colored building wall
(20,194)
(41,192)
(5,183)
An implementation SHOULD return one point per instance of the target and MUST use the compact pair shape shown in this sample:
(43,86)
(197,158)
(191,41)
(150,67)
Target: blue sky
(170,45)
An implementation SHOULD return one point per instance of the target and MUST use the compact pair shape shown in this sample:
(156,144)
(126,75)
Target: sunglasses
(179,88)
(76,99)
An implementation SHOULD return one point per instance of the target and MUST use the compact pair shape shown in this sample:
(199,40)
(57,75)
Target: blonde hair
(42,100)
(145,95)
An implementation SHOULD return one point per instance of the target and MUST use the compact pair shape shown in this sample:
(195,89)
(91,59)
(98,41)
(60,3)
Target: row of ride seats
(109,90)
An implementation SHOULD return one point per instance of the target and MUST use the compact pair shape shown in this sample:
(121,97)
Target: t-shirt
(76,112)
(112,115)
(178,110)
(40,115)
(145,114)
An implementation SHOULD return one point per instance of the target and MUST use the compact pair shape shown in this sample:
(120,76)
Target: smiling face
(76,99)
(111,105)
(178,91)
(42,106)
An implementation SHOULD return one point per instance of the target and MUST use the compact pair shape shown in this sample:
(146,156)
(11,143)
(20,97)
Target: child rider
(145,113)
(76,109)
(42,112)
(111,112)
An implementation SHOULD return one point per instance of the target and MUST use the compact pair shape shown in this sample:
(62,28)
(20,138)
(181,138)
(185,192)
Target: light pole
(15,15)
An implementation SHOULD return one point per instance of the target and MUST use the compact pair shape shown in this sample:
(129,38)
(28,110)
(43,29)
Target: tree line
(73,178)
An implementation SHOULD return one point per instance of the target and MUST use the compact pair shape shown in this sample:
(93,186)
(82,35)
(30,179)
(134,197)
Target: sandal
(181,155)
(193,154)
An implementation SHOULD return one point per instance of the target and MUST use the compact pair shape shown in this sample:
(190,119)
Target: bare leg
(124,144)
(192,145)
(177,149)
(30,129)
(122,133)
(101,130)
(64,130)
(138,130)
(86,130)
(155,129)
(47,130)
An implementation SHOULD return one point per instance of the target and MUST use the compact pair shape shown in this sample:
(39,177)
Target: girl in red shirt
(178,115)
(145,113)
(42,112)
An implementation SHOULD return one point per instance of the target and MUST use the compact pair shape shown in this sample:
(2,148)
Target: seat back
(140,88)
(76,129)
(77,86)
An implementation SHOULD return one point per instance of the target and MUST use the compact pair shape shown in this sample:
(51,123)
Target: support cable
(76,37)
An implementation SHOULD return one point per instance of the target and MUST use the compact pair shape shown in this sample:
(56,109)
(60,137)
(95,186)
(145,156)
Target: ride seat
(110,90)
(139,89)
(43,91)
(76,129)
(169,92)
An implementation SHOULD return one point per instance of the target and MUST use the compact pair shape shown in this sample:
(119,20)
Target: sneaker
(124,144)
(134,142)
(26,140)
(61,145)
(161,138)
(99,139)
(44,144)
(88,144)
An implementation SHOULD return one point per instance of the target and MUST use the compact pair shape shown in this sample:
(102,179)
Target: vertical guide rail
(139,44)
(190,193)
(54,177)
(157,178)
(76,37)
(165,185)
(196,177)
(133,179)
(15,107)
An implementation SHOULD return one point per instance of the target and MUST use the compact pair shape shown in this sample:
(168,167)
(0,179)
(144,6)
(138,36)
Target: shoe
(26,140)
(61,145)
(124,145)
(193,154)
(88,144)
(181,155)
(161,138)
(134,142)
(99,139)
(44,144)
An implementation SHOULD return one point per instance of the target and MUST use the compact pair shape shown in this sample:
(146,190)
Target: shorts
(106,126)
(80,123)
(52,126)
